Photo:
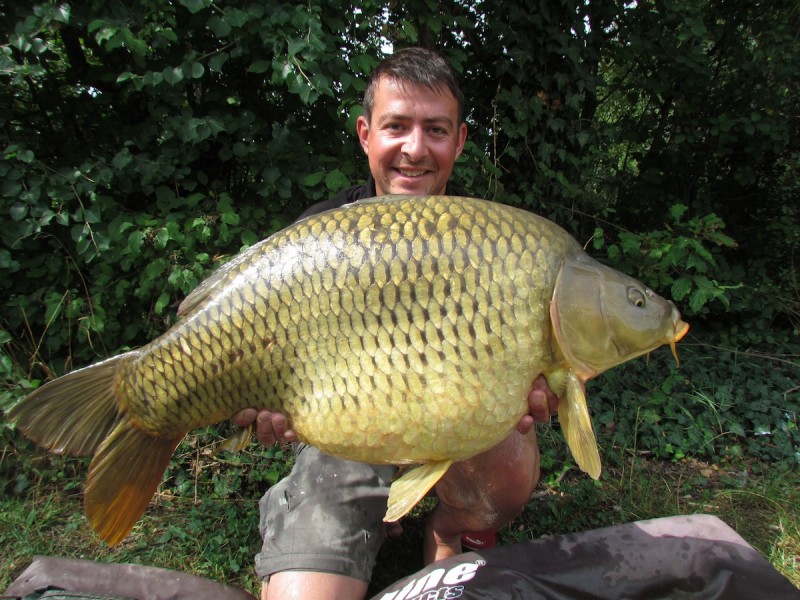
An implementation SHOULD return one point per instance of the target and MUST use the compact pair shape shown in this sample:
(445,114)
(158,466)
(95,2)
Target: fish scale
(395,330)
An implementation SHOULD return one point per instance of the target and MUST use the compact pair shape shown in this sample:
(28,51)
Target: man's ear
(462,139)
(362,128)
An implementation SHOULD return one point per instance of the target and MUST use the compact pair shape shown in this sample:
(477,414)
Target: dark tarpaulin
(102,580)
(696,557)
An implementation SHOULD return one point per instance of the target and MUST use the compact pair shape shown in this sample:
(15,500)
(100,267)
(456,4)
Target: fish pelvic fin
(573,414)
(411,487)
(123,476)
(74,413)
(238,441)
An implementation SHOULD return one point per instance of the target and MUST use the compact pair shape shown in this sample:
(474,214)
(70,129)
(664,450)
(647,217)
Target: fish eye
(636,297)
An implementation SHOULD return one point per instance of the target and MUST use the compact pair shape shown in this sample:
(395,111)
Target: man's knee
(497,483)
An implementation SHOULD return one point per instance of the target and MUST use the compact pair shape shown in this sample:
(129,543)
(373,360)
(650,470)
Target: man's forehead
(392,96)
(388,85)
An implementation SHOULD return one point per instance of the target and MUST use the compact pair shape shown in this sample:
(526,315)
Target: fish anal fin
(74,413)
(411,487)
(123,477)
(573,414)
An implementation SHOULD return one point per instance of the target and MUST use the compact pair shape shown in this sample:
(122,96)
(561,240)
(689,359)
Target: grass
(215,537)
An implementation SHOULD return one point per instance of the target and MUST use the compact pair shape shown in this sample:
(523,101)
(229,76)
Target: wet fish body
(395,330)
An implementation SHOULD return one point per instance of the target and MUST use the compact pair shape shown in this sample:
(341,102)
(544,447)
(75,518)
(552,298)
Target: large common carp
(395,330)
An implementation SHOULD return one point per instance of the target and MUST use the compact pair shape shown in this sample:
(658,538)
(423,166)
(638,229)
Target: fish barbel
(396,330)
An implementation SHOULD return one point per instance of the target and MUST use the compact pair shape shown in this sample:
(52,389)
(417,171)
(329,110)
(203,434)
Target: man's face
(413,138)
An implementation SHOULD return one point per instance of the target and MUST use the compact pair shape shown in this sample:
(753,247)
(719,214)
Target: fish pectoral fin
(237,442)
(573,414)
(123,476)
(410,488)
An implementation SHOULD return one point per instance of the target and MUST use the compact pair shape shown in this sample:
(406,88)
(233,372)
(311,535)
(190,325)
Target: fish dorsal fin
(573,415)
(198,296)
(410,487)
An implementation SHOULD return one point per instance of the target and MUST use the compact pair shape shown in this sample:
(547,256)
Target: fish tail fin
(123,476)
(573,415)
(80,413)
(74,413)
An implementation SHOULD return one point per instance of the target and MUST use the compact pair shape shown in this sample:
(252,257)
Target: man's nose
(414,144)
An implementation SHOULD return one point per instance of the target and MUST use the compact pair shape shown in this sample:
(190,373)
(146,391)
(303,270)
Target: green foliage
(144,144)
(685,258)
(722,406)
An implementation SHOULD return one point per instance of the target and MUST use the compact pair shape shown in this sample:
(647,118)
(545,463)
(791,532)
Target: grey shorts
(326,515)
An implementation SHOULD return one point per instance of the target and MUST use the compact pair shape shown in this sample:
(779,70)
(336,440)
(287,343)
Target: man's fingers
(244,417)
(542,402)
(265,431)
(525,424)
(280,425)
(538,406)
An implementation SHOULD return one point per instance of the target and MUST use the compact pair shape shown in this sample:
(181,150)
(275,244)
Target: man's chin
(422,188)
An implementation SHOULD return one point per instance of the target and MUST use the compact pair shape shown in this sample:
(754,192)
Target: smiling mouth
(411,172)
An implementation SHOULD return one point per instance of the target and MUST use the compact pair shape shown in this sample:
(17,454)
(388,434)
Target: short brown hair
(419,66)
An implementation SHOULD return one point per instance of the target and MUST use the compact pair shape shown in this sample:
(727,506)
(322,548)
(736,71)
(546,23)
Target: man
(322,525)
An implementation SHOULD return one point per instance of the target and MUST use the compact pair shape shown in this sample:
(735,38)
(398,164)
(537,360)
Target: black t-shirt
(359,192)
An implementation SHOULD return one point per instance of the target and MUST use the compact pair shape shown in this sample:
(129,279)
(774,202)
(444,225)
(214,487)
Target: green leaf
(195,6)
(698,300)
(174,75)
(219,27)
(230,218)
(216,62)
(161,303)
(336,181)
(313,179)
(237,17)
(161,239)
(676,211)
(295,45)
(25,156)
(259,66)
(681,288)
(135,242)
(18,211)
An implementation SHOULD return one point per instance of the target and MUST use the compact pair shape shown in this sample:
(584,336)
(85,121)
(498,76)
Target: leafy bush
(143,145)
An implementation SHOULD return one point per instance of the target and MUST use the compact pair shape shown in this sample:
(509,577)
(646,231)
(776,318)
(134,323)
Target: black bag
(696,557)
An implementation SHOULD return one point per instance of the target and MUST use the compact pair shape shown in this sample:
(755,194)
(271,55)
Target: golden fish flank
(397,330)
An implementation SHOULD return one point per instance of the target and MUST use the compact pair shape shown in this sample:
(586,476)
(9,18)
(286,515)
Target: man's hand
(542,404)
(271,427)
